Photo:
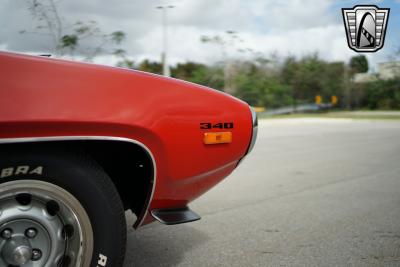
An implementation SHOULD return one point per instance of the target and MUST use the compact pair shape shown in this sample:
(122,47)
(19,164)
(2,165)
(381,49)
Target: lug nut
(30,233)
(36,254)
(6,234)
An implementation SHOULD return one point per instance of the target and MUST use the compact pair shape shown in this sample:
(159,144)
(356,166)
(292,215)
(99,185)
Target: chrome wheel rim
(41,224)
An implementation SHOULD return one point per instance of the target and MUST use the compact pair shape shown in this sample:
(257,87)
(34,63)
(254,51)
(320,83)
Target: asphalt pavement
(313,192)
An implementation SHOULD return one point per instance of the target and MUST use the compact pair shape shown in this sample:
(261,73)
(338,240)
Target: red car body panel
(42,97)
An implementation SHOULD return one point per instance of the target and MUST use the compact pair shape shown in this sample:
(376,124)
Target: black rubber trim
(175,216)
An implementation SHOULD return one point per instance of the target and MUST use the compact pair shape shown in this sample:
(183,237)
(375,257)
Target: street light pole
(166,71)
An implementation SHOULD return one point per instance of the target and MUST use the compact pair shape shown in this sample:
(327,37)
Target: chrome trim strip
(254,116)
(139,221)
(255,130)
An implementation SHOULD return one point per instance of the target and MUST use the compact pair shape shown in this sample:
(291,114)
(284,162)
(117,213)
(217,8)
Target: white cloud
(295,27)
(296,14)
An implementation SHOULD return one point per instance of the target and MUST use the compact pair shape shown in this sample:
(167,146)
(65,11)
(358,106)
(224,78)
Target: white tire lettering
(18,170)
(102,260)
(6,172)
(38,170)
(22,170)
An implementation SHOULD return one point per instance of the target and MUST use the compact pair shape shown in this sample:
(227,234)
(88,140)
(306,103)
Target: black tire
(82,177)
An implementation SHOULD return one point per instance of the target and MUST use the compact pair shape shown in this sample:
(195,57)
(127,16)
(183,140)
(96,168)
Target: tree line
(290,81)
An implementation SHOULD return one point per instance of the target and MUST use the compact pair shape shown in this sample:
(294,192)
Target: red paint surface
(47,97)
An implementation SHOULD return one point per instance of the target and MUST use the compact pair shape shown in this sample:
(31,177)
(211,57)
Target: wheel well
(129,166)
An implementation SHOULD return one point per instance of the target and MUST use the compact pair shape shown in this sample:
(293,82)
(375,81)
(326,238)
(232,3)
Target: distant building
(365,77)
(389,70)
(386,71)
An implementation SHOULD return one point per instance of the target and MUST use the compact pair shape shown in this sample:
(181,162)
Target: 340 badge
(219,125)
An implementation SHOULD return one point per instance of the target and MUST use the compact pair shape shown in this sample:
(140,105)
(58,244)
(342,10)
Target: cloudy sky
(291,27)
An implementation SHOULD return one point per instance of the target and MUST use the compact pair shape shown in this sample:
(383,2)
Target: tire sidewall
(82,178)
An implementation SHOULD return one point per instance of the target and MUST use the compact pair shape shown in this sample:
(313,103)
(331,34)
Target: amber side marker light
(217,138)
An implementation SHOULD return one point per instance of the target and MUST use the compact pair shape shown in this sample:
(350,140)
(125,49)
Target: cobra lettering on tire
(77,198)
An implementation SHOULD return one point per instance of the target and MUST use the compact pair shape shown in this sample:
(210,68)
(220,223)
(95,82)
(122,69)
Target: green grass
(337,114)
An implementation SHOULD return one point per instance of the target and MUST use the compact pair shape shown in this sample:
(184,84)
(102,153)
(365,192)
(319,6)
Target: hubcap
(17,251)
(41,224)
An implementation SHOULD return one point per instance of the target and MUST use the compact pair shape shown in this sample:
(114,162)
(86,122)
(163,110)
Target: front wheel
(58,209)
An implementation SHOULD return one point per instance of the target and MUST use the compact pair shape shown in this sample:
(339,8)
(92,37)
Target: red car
(80,144)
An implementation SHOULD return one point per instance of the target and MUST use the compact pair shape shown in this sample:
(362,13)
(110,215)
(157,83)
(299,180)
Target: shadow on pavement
(161,245)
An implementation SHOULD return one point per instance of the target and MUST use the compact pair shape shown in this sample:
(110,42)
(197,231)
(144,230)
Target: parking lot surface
(313,192)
